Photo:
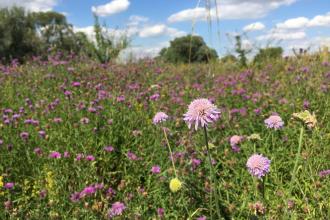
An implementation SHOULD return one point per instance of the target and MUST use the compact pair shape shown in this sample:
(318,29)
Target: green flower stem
(212,174)
(294,173)
(171,154)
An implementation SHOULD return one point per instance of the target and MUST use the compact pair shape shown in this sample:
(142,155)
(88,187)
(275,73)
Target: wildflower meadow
(83,140)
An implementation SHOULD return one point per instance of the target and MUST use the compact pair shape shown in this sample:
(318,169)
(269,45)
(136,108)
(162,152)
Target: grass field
(77,141)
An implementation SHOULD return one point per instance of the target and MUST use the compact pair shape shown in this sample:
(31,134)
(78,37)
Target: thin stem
(297,158)
(212,173)
(171,154)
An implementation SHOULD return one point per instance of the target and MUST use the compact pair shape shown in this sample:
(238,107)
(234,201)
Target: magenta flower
(275,122)
(90,158)
(324,173)
(258,165)
(159,117)
(109,149)
(155,169)
(89,190)
(160,212)
(131,156)
(75,197)
(9,185)
(117,208)
(24,135)
(55,154)
(201,112)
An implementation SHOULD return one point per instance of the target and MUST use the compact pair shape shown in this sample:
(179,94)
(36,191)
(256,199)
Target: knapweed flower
(201,218)
(55,154)
(155,169)
(24,135)
(324,173)
(75,197)
(307,118)
(89,190)
(258,165)
(117,208)
(90,158)
(160,212)
(175,185)
(275,122)
(9,185)
(159,117)
(201,112)
(109,149)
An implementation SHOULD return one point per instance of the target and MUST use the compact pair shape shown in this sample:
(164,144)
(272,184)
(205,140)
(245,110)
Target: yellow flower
(175,185)
(306,117)
(1,185)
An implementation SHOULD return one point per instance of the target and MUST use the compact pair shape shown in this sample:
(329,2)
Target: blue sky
(151,24)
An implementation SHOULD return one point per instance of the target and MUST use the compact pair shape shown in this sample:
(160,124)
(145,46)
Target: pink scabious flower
(235,140)
(155,169)
(275,122)
(201,112)
(159,117)
(117,208)
(258,165)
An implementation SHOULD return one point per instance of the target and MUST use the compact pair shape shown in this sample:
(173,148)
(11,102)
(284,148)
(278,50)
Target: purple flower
(75,84)
(160,212)
(75,197)
(57,120)
(201,218)
(24,135)
(131,156)
(84,120)
(1,142)
(324,173)
(66,154)
(155,169)
(154,97)
(9,185)
(117,208)
(195,162)
(159,117)
(109,149)
(43,194)
(258,165)
(90,158)
(79,156)
(89,190)
(42,133)
(275,122)
(37,151)
(235,140)
(201,112)
(55,154)
(120,98)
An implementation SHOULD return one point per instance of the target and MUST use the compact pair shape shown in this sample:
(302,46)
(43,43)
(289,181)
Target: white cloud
(30,5)
(231,9)
(113,7)
(257,26)
(135,20)
(159,30)
(279,34)
(303,22)
(320,20)
(294,23)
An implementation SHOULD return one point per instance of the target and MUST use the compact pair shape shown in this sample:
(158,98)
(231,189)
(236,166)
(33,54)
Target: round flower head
(235,140)
(201,112)
(117,208)
(159,117)
(258,165)
(175,185)
(274,121)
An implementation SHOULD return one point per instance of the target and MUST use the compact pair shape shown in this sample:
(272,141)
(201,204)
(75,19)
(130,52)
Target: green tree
(107,47)
(188,49)
(268,54)
(18,36)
